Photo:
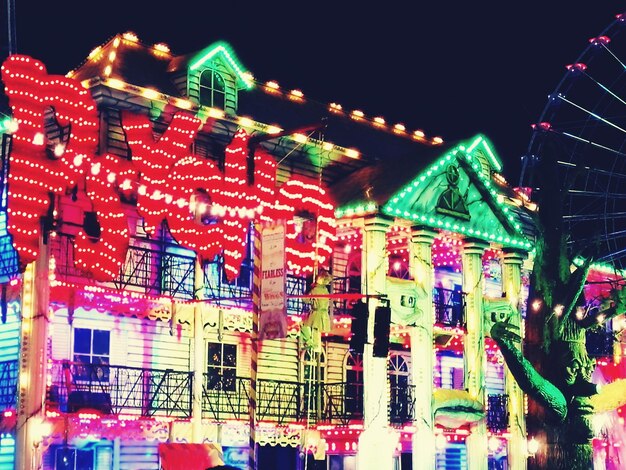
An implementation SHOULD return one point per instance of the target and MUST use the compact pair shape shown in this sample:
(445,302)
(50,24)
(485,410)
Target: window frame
(211,91)
(80,372)
(224,382)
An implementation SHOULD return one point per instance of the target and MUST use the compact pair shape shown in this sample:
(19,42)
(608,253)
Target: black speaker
(382,319)
(81,400)
(359,327)
(91,224)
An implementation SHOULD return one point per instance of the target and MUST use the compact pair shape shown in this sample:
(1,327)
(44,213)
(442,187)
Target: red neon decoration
(311,241)
(206,211)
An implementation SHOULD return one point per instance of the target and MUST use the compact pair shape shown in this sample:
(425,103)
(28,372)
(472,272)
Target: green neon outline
(358,208)
(488,146)
(601,267)
(226,51)
(390,208)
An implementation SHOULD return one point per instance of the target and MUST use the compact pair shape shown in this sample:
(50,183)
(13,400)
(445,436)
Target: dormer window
(212,89)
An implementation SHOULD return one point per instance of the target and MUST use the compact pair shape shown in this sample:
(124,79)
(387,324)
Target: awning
(190,456)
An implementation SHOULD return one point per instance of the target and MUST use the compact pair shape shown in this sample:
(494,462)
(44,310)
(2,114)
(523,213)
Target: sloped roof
(131,61)
(384,177)
(467,201)
(221,49)
(388,157)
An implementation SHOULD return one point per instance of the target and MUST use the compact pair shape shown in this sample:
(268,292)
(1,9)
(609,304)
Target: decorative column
(31,426)
(474,347)
(511,286)
(376,442)
(420,264)
(199,359)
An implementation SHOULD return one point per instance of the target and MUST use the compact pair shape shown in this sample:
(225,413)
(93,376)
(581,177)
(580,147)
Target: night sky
(451,70)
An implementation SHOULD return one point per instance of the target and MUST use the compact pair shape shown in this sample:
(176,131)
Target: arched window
(400,396)
(212,89)
(312,375)
(353,367)
(398,370)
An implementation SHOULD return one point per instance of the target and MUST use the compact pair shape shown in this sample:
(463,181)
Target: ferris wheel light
(577,67)
(600,40)
(544,126)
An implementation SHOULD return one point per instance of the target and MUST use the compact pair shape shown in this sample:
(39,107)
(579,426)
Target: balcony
(111,389)
(401,404)
(161,267)
(8,384)
(497,412)
(449,307)
(119,390)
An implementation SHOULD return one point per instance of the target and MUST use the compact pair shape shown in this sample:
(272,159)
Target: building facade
(136,190)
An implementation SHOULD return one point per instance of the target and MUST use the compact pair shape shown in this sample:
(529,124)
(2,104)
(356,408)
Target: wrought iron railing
(8,384)
(401,404)
(342,285)
(449,306)
(120,389)
(283,401)
(151,266)
(149,392)
(497,412)
(600,343)
(295,286)
(341,402)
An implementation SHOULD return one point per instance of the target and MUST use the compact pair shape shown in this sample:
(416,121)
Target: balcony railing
(149,392)
(600,343)
(119,389)
(497,412)
(449,306)
(401,404)
(8,384)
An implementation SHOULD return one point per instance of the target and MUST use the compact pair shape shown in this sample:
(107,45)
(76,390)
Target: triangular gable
(224,51)
(454,194)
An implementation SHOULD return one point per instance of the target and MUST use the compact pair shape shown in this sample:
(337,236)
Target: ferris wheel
(582,130)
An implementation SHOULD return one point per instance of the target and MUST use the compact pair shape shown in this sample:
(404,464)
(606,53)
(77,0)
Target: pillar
(31,426)
(511,285)
(420,264)
(376,442)
(474,347)
(199,360)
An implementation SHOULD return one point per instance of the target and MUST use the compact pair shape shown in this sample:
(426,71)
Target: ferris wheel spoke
(605,88)
(591,217)
(604,45)
(598,194)
(616,235)
(593,171)
(613,256)
(592,114)
(595,144)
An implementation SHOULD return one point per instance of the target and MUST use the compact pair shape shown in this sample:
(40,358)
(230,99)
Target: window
(91,353)
(449,370)
(222,367)
(68,458)
(400,399)
(312,375)
(212,89)
(354,383)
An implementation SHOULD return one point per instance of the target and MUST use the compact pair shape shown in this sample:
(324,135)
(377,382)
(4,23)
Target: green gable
(454,194)
(222,51)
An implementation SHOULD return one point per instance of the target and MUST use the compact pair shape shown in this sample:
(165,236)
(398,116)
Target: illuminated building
(129,341)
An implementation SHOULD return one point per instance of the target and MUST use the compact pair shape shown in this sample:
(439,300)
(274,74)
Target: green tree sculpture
(555,369)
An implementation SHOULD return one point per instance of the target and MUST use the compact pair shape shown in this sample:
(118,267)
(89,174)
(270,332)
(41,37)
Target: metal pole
(12,37)
(254,352)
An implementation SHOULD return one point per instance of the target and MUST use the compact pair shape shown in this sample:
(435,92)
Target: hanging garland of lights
(304,195)
(206,210)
